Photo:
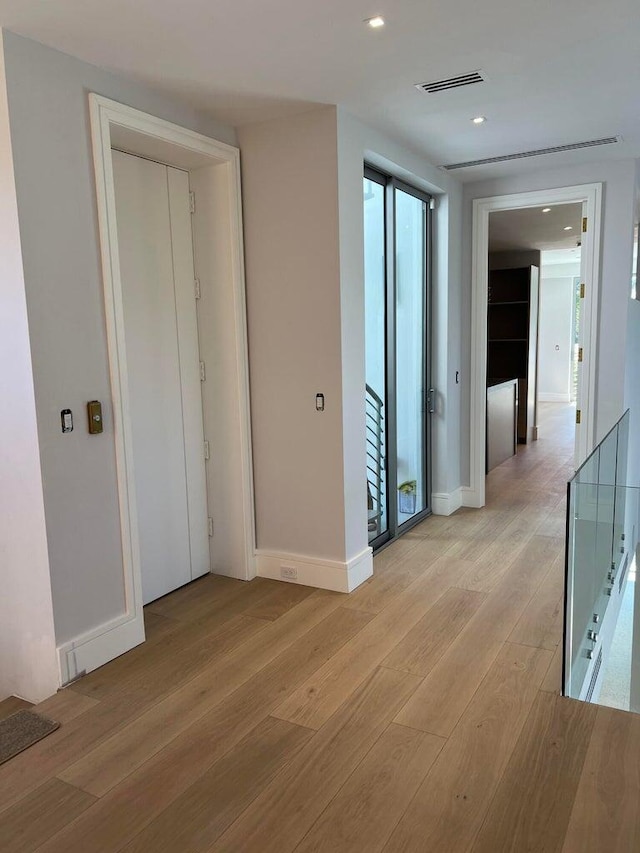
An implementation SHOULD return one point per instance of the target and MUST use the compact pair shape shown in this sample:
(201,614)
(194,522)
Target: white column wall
(290,201)
(28,663)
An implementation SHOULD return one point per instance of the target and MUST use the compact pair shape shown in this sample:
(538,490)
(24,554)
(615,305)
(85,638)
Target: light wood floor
(420,713)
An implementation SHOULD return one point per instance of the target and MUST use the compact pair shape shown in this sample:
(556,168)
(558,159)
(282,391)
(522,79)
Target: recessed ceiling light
(479,119)
(375,22)
(546,210)
(568,228)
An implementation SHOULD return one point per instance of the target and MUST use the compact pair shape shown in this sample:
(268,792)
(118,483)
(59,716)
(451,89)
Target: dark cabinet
(512,339)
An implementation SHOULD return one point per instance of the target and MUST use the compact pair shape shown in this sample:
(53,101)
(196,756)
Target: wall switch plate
(288,573)
(66,416)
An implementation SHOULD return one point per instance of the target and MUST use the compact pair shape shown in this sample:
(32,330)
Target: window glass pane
(375,346)
(410,238)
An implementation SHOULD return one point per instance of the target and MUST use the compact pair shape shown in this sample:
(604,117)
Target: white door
(163,371)
(581,450)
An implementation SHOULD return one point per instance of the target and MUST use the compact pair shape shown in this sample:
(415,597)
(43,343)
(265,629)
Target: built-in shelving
(512,338)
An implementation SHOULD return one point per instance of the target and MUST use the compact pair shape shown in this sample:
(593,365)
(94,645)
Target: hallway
(419,713)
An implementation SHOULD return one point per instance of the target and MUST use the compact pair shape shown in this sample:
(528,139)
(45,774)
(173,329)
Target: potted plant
(407,497)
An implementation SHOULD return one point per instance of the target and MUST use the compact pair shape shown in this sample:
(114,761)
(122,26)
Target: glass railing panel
(588,471)
(602,641)
(618,681)
(620,508)
(605,508)
(585,579)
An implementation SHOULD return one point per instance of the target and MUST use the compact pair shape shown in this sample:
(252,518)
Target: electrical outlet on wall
(288,573)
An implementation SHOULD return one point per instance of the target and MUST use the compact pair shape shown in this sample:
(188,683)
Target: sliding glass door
(376,356)
(396,229)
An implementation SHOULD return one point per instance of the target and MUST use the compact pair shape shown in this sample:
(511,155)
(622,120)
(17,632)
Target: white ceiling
(530,228)
(557,72)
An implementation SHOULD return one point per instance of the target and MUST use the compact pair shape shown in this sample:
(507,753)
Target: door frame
(390,184)
(592,195)
(164,142)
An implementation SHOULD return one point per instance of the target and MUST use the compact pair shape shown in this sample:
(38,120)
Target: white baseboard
(325,574)
(91,650)
(446,503)
(548,397)
(470,497)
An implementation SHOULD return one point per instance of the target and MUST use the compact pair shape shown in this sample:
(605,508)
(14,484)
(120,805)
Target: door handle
(431,400)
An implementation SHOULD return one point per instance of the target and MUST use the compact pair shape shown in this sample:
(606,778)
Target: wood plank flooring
(420,713)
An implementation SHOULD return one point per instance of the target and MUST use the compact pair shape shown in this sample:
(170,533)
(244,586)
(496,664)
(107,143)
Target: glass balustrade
(601,639)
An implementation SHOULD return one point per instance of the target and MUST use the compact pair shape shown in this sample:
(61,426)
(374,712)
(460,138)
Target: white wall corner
(309,571)
(446,503)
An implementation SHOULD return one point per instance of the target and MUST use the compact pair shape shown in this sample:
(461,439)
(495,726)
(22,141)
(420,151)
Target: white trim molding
(590,195)
(95,648)
(470,498)
(324,574)
(446,503)
(108,117)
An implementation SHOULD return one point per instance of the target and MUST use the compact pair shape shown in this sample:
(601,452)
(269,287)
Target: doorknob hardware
(94,414)
(431,400)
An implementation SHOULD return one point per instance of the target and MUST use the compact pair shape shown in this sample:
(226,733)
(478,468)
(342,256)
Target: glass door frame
(391,184)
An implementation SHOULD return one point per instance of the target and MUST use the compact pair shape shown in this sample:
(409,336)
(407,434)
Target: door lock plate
(94,413)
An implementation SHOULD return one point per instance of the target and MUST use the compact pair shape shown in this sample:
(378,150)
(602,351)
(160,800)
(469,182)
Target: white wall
(618,178)
(28,665)
(555,331)
(359,143)
(302,189)
(48,109)
(290,200)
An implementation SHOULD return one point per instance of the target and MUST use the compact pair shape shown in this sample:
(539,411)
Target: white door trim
(474,494)
(108,640)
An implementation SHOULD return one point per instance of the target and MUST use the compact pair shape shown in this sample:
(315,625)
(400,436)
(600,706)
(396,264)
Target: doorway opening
(533,323)
(590,197)
(397,341)
(214,176)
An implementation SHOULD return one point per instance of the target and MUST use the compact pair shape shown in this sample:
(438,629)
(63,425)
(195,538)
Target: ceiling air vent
(451,83)
(574,146)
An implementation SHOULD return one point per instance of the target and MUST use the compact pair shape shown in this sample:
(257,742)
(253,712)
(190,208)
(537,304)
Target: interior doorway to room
(398,342)
(155,243)
(533,323)
(590,198)
(221,401)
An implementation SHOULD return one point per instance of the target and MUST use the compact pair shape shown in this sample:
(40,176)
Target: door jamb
(474,494)
(127,629)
